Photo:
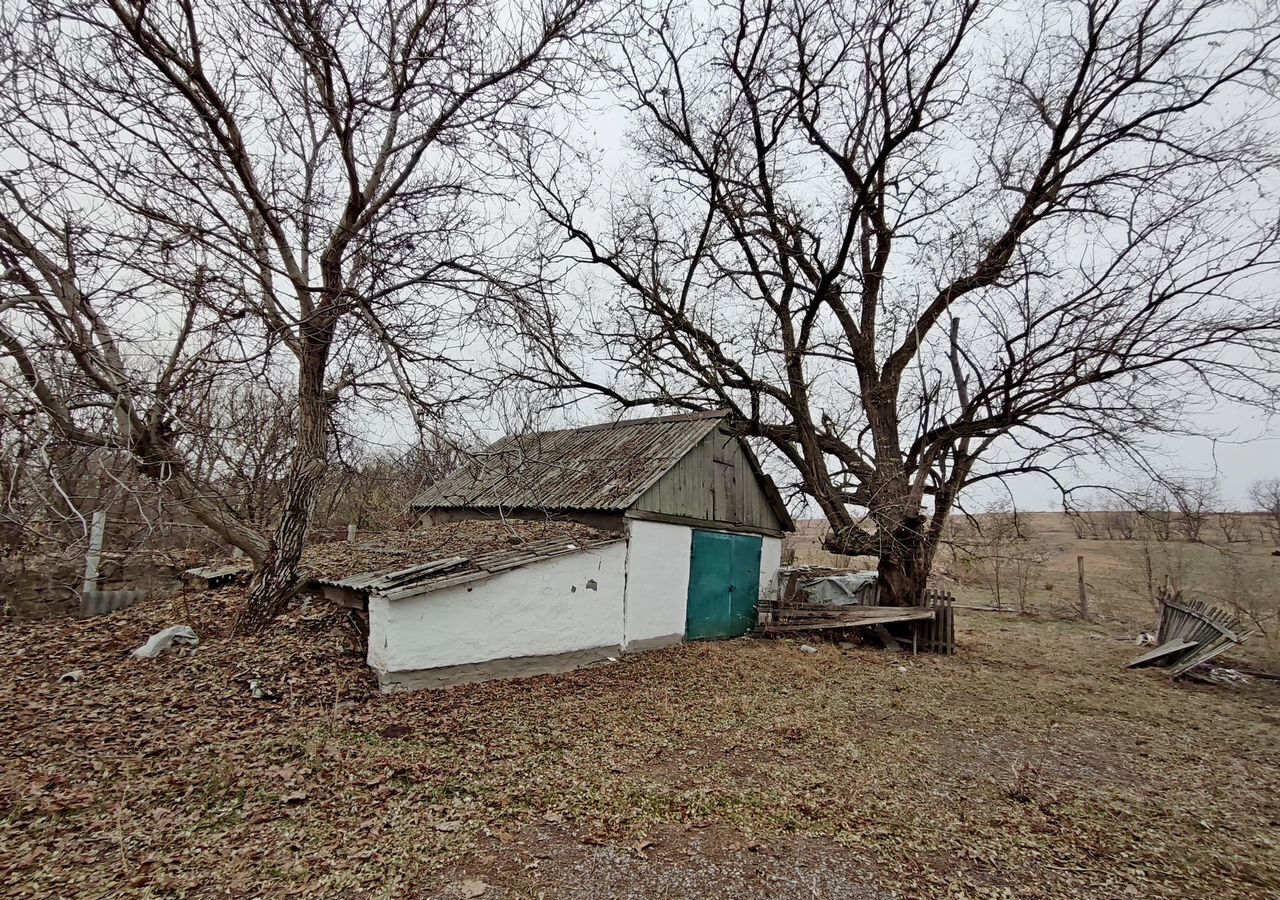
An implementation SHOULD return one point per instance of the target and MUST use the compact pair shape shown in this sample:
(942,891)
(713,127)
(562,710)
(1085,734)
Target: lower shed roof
(409,563)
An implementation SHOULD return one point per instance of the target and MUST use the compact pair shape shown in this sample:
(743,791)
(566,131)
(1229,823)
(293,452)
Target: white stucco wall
(657,583)
(539,609)
(770,562)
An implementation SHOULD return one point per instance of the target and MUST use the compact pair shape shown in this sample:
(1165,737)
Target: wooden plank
(860,611)
(949,605)
(849,623)
(1167,649)
(817,626)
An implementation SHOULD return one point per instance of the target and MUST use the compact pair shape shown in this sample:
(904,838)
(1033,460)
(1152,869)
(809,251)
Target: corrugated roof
(603,467)
(441,573)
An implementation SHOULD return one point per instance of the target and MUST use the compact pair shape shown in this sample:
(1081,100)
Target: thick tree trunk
(903,546)
(278,578)
(904,563)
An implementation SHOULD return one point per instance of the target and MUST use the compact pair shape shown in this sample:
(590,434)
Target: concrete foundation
(655,643)
(469,673)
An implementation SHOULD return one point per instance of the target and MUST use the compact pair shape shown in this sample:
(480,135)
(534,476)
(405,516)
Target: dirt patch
(690,861)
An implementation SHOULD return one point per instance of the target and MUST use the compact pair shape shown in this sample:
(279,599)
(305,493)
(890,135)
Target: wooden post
(951,626)
(94,556)
(351,532)
(1084,594)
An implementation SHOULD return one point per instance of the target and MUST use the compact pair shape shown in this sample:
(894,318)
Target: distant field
(1240,575)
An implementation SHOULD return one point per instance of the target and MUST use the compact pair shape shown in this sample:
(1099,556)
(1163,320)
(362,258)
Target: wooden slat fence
(938,635)
(99,603)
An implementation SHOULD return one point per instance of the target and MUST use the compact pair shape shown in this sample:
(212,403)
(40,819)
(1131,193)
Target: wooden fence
(938,635)
(1208,629)
(791,611)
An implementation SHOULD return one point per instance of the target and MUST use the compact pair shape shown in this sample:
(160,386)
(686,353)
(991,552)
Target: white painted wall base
(469,673)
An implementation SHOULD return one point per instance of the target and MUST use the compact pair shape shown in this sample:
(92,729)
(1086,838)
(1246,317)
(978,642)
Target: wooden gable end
(714,482)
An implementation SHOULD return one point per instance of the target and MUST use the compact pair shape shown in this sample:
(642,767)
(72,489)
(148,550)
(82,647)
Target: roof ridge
(693,416)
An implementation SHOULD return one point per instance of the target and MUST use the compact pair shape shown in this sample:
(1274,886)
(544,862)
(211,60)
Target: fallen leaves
(973,776)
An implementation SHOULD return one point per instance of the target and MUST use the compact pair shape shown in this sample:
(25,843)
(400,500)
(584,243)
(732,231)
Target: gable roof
(600,467)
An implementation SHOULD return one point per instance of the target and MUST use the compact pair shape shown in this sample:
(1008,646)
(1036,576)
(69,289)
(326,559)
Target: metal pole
(94,556)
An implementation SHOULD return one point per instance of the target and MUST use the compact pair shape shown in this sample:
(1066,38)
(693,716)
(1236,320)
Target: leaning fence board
(1177,645)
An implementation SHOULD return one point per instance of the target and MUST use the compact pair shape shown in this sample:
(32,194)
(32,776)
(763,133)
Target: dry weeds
(1028,766)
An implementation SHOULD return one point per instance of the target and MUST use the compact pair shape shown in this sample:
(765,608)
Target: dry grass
(1030,765)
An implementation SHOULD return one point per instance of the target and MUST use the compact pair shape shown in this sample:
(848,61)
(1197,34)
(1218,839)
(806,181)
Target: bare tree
(321,180)
(914,247)
(1194,501)
(1001,544)
(1231,524)
(1265,495)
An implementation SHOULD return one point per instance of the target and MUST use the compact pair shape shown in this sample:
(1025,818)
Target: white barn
(622,537)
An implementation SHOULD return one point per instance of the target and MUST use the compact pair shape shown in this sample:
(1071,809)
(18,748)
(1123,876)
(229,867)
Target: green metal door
(724,584)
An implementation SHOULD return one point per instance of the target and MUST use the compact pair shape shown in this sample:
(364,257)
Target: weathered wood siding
(713,482)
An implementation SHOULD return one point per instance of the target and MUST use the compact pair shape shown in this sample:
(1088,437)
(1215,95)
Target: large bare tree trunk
(901,544)
(904,565)
(278,578)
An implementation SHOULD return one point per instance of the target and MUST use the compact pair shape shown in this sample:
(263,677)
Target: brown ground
(1030,765)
